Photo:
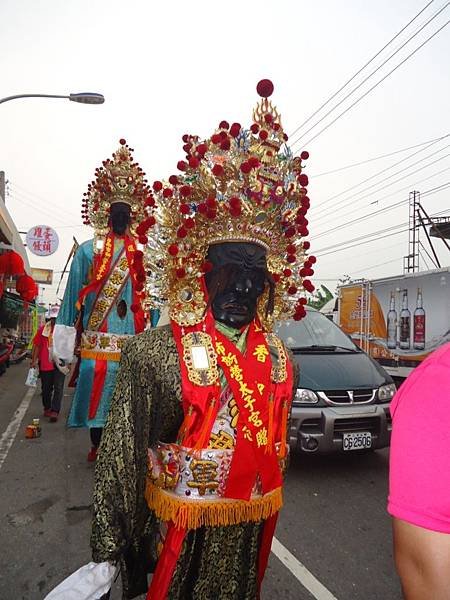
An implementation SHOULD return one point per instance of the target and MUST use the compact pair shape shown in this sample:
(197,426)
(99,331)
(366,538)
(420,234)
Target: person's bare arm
(422,558)
(34,356)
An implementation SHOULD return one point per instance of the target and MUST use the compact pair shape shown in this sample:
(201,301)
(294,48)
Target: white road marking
(10,432)
(300,572)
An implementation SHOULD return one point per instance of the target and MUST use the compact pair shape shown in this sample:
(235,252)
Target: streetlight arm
(83,98)
(30,96)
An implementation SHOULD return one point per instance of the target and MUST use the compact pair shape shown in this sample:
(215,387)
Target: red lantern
(11,263)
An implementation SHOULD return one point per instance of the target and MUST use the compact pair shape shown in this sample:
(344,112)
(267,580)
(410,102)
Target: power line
(33,195)
(376,84)
(382,210)
(368,160)
(378,173)
(352,200)
(362,239)
(360,70)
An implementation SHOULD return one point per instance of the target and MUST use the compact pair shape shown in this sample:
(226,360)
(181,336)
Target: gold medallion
(200,358)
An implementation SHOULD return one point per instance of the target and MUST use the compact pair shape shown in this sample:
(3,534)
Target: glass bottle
(392,324)
(405,324)
(419,323)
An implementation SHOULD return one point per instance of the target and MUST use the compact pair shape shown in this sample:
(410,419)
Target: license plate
(357,441)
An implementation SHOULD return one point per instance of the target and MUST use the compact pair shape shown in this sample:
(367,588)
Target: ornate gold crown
(238,185)
(119,179)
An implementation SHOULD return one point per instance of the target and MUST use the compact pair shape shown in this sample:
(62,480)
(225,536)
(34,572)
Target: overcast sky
(173,67)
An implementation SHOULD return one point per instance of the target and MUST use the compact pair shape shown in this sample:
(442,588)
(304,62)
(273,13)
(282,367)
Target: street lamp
(83,98)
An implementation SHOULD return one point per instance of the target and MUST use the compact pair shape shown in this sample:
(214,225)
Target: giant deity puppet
(103,301)
(190,470)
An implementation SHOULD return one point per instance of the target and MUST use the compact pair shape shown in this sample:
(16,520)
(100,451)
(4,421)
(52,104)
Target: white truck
(399,320)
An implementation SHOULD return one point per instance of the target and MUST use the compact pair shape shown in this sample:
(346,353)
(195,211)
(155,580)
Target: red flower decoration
(291,249)
(308,285)
(202,208)
(185,137)
(292,290)
(207,266)
(287,272)
(223,125)
(304,155)
(122,141)
(303,179)
(253,161)
(235,129)
(235,211)
(291,258)
(157,186)
(290,231)
(167,193)
(180,272)
(211,214)
(150,201)
(218,170)
(312,259)
(184,209)
(181,165)
(211,203)
(216,139)
(189,223)
(193,162)
(143,239)
(181,233)
(173,249)
(185,191)
(173,179)
(306,245)
(225,144)
(202,149)
(265,88)
(245,167)
(254,128)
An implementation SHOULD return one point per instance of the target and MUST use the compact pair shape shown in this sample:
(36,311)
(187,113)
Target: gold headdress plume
(238,185)
(119,179)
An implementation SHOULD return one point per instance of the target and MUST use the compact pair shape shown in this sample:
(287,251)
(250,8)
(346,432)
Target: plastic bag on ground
(90,582)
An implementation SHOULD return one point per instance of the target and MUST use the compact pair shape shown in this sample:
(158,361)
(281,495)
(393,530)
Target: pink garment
(419,478)
(45,364)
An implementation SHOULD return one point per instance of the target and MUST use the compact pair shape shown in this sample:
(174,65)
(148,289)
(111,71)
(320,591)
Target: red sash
(249,377)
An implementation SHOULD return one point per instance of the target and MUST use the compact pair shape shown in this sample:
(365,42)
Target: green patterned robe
(216,562)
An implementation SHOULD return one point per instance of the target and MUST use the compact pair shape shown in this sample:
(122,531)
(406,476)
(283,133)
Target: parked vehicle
(400,320)
(343,396)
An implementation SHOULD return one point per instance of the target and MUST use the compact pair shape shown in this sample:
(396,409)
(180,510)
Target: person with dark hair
(52,377)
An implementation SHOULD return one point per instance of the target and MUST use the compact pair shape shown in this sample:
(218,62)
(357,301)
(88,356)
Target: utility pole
(411,260)
(2,186)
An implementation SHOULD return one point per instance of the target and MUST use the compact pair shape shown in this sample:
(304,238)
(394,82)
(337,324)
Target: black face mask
(120,217)
(237,280)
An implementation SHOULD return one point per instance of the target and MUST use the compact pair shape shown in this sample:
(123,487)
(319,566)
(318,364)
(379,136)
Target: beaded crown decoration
(119,179)
(238,185)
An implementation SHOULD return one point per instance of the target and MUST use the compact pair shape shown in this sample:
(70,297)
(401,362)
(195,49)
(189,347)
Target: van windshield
(314,332)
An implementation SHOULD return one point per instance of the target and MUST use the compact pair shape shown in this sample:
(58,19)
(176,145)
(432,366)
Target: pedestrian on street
(419,481)
(52,378)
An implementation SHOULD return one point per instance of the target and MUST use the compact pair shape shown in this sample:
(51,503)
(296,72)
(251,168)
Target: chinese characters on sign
(42,240)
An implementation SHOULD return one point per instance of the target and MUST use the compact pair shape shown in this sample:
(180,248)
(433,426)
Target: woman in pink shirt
(52,379)
(419,482)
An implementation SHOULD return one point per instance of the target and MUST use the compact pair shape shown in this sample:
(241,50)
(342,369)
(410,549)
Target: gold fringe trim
(191,514)
(99,355)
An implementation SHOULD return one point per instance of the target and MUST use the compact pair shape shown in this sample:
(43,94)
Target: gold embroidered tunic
(216,562)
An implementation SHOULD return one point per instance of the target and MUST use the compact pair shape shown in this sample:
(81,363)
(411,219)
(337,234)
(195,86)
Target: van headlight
(304,396)
(386,392)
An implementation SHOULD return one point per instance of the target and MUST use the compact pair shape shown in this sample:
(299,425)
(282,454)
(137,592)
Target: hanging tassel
(185,425)
(205,432)
(284,421)
(269,446)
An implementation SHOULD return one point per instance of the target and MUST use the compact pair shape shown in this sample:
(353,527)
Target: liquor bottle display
(405,324)
(419,323)
(392,324)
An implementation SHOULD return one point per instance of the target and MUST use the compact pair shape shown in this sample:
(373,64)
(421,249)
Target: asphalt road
(334,520)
